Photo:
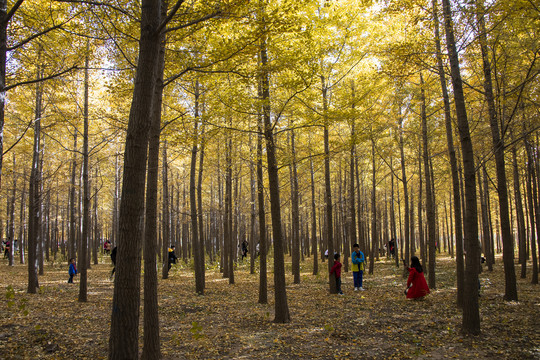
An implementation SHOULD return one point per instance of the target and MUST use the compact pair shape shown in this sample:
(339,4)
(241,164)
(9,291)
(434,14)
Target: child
(416,283)
(357,267)
(72,270)
(336,269)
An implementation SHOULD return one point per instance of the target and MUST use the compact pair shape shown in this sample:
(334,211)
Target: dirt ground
(228,323)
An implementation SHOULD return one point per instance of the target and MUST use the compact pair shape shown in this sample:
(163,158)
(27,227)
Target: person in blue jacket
(358,261)
(72,270)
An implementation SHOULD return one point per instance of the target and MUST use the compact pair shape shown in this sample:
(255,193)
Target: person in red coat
(416,283)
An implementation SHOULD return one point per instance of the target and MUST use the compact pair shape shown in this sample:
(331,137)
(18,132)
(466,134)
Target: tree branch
(28,82)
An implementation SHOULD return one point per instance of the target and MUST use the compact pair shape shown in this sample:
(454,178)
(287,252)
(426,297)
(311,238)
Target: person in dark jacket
(416,283)
(113,259)
(172,256)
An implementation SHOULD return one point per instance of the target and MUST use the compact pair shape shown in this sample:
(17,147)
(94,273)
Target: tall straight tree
(498,150)
(453,160)
(151,349)
(430,206)
(328,187)
(471,313)
(124,334)
(83,268)
(281,306)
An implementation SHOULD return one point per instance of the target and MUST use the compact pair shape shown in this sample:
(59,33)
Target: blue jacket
(358,261)
(72,270)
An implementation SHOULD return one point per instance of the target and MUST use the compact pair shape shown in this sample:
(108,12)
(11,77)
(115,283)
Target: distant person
(172,257)
(113,259)
(257,249)
(358,266)
(72,270)
(392,247)
(7,249)
(244,249)
(416,283)
(107,247)
(336,270)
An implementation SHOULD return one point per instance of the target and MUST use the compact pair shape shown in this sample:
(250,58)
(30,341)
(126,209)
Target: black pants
(338,285)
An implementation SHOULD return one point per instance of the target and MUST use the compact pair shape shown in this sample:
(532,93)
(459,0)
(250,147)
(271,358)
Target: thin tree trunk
(83,270)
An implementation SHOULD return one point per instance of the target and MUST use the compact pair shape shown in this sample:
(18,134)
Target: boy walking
(357,267)
(72,270)
(336,269)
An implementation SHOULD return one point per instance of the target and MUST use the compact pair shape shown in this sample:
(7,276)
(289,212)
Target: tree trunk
(453,162)
(281,307)
(328,190)
(83,270)
(405,194)
(498,150)
(151,346)
(263,276)
(34,198)
(295,210)
(313,219)
(471,314)
(430,205)
(124,334)
(166,215)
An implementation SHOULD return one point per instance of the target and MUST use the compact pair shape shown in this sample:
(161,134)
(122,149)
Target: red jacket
(417,284)
(336,268)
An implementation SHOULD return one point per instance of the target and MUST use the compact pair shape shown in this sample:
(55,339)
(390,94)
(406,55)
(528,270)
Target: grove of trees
(297,126)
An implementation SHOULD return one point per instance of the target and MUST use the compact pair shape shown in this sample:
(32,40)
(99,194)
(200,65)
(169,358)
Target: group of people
(416,283)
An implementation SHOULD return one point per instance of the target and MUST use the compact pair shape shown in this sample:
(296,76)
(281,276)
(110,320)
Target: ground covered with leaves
(228,323)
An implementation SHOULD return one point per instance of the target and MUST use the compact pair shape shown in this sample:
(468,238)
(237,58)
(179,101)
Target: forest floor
(228,323)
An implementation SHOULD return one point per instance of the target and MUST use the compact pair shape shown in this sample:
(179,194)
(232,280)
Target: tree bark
(471,314)
(280,293)
(83,270)
(124,334)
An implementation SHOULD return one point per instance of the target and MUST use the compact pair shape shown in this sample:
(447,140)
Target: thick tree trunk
(151,346)
(124,334)
(471,314)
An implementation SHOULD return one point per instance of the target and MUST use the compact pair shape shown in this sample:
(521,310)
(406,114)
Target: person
(336,270)
(113,259)
(7,249)
(257,250)
(416,283)
(358,266)
(72,270)
(172,256)
(391,245)
(244,249)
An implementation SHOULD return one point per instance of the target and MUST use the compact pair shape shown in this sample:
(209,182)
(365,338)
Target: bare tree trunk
(430,206)
(471,314)
(11,210)
(328,190)
(263,277)
(281,306)
(124,334)
(295,210)
(534,211)
(166,214)
(151,346)
(83,269)
(498,149)
(453,162)
(34,200)
(313,219)
(374,247)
